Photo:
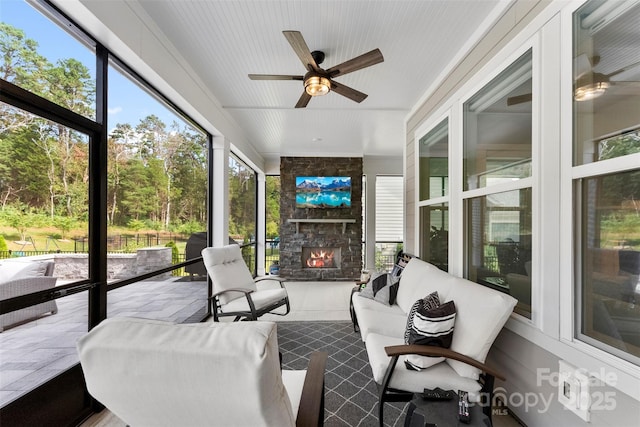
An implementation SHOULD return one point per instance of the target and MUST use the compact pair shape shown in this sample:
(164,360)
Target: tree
(272,202)
(21,63)
(71,85)
(119,151)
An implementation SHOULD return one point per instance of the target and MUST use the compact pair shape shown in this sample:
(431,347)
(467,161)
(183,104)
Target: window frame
(532,44)
(628,374)
(453,179)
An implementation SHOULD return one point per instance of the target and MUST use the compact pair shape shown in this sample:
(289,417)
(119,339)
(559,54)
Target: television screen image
(323,192)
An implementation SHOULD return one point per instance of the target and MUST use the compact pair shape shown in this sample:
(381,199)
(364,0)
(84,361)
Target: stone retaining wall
(119,266)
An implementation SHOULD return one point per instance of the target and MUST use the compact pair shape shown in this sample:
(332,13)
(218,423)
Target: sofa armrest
(311,409)
(427,350)
(26,285)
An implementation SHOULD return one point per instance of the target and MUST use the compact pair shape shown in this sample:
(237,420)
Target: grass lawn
(49,239)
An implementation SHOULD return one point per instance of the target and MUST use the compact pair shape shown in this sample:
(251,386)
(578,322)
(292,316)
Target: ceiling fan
(318,81)
(588,83)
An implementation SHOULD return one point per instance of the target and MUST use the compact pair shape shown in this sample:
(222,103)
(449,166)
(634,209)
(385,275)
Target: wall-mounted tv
(323,192)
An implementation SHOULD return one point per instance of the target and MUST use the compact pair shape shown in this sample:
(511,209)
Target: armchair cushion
(227,270)
(440,375)
(157,373)
(261,298)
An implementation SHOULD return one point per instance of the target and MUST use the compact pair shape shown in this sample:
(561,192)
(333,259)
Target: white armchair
(149,372)
(235,292)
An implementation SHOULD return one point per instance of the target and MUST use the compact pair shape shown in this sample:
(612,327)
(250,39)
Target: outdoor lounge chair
(235,292)
(154,373)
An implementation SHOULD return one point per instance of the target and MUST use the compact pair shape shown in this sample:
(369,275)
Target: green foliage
(17,218)
(153,225)
(620,145)
(136,224)
(272,203)
(64,224)
(191,227)
(175,256)
(242,200)
(3,244)
(157,173)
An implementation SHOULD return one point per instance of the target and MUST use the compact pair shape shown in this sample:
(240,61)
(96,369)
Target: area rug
(351,395)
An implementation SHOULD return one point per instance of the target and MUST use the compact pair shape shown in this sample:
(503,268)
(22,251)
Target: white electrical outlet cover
(573,390)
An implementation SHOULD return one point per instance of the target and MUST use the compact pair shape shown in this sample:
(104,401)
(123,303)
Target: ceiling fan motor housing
(318,56)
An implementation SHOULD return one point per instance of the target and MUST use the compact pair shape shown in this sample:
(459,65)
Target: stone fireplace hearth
(320,243)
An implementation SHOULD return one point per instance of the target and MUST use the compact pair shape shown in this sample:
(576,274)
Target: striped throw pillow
(431,327)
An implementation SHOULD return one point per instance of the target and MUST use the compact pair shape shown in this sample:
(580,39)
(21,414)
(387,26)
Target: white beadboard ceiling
(223,41)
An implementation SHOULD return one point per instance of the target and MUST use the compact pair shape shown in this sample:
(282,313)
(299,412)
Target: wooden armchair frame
(387,394)
(311,409)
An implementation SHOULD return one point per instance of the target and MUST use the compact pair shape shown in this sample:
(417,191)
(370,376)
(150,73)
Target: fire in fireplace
(321,257)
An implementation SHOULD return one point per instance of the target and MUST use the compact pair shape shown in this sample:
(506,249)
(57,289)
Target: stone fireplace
(320,243)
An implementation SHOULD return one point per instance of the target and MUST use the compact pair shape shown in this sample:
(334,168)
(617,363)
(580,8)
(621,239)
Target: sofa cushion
(19,270)
(420,278)
(441,375)
(375,317)
(481,314)
(434,327)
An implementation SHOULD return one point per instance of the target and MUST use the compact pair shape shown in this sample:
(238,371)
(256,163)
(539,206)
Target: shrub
(175,256)
(3,244)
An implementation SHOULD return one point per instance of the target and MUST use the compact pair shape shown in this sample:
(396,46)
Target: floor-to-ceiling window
(243,209)
(157,179)
(85,171)
(497,183)
(606,177)
(44,191)
(272,224)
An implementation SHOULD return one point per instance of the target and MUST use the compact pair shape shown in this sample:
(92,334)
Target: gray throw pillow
(382,288)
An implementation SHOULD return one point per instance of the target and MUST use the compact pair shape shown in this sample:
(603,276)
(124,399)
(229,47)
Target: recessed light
(316,139)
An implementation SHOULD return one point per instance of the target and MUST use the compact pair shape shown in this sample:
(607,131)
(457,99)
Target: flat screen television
(323,192)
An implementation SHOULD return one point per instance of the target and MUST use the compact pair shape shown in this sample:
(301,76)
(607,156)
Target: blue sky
(127,102)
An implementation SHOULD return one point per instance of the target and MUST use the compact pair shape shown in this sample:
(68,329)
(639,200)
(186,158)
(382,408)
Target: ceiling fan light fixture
(317,85)
(591,87)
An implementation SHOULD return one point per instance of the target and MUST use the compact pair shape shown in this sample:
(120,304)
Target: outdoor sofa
(480,314)
(18,277)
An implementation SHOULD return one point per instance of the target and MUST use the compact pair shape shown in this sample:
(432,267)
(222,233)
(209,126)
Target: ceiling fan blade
(359,62)
(348,92)
(301,49)
(304,100)
(581,65)
(519,99)
(274,77)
